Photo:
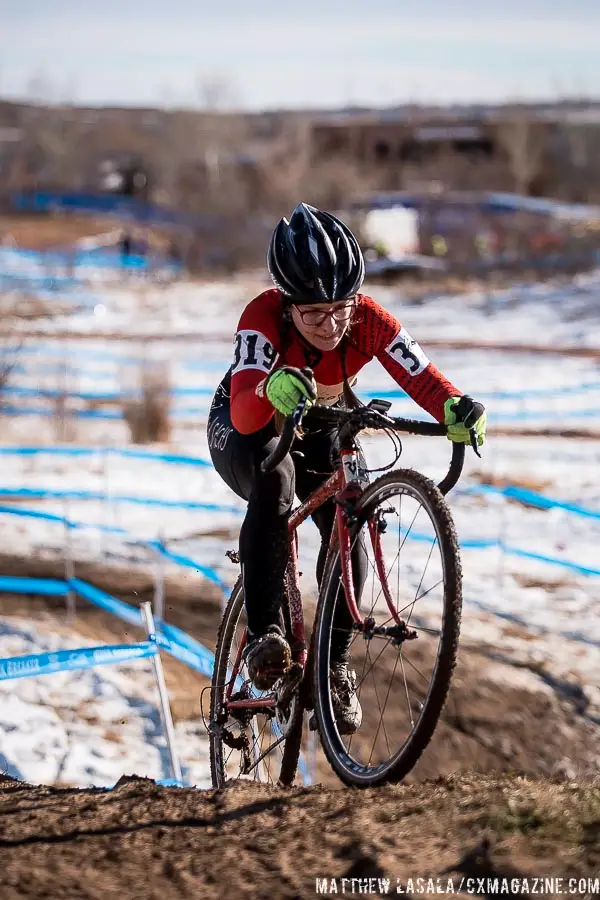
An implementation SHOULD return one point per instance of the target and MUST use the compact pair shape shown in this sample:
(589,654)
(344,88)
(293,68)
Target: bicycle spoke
(416,669)
(421,581)
(381,717)
(384,705)
(408,706)
(393,678)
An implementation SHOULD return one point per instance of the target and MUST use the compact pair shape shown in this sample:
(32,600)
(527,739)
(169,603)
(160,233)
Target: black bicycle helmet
(315,258)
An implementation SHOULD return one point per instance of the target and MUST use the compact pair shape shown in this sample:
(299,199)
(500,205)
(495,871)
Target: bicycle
(253,733)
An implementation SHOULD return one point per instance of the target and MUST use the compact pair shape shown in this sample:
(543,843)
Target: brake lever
(299,412)
(473,437)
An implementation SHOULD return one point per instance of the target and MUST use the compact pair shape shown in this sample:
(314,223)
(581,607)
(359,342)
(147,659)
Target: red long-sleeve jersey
(374,332)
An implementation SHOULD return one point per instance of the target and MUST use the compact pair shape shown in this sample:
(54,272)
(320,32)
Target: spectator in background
(125,245)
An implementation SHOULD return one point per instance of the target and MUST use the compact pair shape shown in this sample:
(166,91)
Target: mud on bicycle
(404,627)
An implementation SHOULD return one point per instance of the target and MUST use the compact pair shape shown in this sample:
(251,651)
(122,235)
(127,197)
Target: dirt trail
(499,716)
(144,841)
(463,811)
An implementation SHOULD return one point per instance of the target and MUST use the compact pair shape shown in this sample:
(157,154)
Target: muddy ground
(498,717)
(144,841)
(510,785)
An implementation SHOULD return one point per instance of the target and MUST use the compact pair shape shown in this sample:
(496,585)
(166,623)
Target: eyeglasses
(318,316)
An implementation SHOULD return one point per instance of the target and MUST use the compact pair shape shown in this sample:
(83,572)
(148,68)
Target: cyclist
(315,317)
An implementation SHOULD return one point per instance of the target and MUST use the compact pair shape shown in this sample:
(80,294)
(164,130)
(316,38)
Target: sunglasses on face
(318,316)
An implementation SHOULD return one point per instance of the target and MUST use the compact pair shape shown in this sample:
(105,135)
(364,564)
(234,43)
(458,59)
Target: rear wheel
(414,588)
(259,744)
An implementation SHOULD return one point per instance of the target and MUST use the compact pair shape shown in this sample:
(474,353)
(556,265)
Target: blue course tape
(37,514)
(488,544)
(95,451)
(11,410)
(123,610)
(210,573)
(163,457)
(201,662)
(187,563)
(107,396)
(548,502)
(564,390)
(177,558)
(52,451)
(533,498)
(47,587)
(105,415)
(47,494)
(169,637)
(69,660)
(540,557)
(176,635)
(32,514)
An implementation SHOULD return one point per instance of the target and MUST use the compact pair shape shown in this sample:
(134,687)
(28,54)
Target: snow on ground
(535,612)
(87,727)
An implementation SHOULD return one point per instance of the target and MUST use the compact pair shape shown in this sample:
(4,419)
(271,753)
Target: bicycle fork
(346,501)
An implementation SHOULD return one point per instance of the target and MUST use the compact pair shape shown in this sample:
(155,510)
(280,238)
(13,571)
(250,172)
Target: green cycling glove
(460,415)
(286,387)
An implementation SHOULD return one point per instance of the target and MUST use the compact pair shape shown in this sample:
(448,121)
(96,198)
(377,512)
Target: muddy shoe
(268,657)
(346,707)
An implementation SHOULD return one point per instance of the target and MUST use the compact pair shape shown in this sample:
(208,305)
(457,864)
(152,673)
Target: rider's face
(323,326)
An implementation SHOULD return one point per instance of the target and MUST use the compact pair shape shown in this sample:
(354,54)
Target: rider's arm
(406,361)
(256,347)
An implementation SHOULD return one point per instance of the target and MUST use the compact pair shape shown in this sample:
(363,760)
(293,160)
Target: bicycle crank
(287,697)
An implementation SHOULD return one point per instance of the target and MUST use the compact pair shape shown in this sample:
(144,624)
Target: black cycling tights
(264,541)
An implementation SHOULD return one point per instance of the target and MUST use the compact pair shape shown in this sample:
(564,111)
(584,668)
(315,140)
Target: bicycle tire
(350,772)
(291,748)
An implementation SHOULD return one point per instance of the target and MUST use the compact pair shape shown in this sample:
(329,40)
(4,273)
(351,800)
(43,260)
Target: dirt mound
(142,840)
(500,716)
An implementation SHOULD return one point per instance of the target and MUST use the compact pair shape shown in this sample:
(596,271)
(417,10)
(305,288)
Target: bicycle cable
(397,449)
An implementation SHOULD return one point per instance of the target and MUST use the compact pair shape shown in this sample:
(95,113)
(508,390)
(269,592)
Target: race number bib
(407,353)
(252,350)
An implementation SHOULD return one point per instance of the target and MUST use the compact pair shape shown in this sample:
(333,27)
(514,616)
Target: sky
(264,54)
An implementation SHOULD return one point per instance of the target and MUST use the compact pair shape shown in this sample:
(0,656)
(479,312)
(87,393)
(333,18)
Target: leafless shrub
(524,140)
(9,357)
(147,413)
(11,344)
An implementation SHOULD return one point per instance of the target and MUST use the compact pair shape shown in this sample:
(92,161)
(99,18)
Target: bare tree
(579,175)
(49,134)
(524,139)
(197,157)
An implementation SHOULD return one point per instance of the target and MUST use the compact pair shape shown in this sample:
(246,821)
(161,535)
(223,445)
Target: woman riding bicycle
(315,318)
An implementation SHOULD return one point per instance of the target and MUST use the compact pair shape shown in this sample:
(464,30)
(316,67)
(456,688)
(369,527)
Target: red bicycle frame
(345,487)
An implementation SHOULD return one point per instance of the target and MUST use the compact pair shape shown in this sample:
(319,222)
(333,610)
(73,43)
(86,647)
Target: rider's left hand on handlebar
(286,386)
(463,415)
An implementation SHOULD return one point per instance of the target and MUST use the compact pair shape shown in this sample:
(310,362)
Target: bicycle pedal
(289,682)
(267,677)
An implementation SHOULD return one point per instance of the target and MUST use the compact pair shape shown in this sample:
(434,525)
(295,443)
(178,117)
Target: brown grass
(530,483)
(148,413)
(41,232)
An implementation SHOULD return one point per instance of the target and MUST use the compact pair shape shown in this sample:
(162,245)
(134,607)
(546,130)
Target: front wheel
(412,596)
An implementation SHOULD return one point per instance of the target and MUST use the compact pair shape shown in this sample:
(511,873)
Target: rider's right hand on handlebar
(287,386)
